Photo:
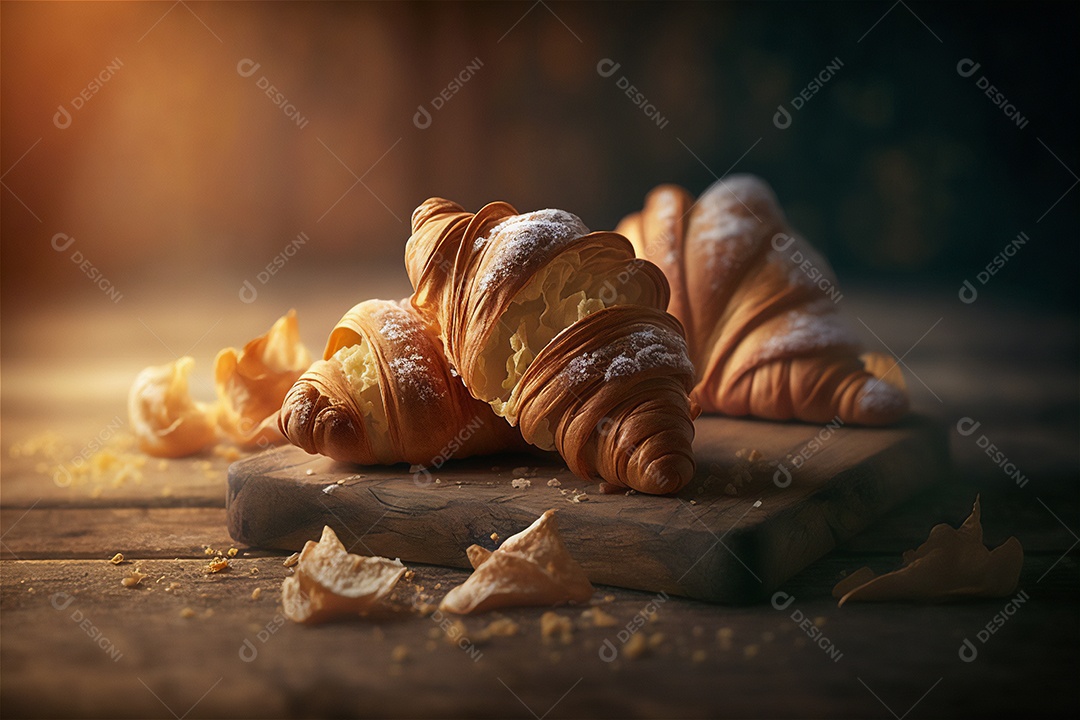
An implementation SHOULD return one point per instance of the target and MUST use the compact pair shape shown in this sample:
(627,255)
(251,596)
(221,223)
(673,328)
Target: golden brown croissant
(563,333)
(384,393)
(759,306)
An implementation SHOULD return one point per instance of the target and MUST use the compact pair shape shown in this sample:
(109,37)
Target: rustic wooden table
(76,642)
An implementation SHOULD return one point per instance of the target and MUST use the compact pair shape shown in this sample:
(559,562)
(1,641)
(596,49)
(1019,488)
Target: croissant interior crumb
(361,368)
(573,286)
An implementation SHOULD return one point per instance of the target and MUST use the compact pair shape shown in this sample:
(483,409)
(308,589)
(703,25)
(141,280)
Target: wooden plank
(169,665)
(103,532)
(704,543)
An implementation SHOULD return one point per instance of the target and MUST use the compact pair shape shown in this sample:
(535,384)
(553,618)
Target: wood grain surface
(703,543)
(117,652)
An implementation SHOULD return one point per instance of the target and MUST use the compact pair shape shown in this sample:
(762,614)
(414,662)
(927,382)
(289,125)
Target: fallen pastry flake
(232,552)
(952,563)
(553,482)
(532,567)
(330,582)
(218,564)
(134,579)
(291,560)
(256,593)
(520,483)
(117,559)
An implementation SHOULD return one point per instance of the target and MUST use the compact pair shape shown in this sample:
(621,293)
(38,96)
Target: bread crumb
(208,550)
(693,502)
(187,613)
(309,471)
(218,564)
(399,654)
(171,587)
(408,576)
(698,656)
(291,560)
(232,552)
(552,624)
(723,636)
(751,650)
(256,593)
(553,482)
(598,618)
(117,559)
(634,647)
(494,537)
(254,571)
(227,452)
(500,627)
(133,579)
(579,498)
(520,483)
(438,586)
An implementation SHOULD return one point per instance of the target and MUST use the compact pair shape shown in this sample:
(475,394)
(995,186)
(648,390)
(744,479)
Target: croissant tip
(431,207)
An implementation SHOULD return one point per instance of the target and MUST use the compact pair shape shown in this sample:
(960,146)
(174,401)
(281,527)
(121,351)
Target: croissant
(563,333)
(251,382)
(759,306)
(384,393)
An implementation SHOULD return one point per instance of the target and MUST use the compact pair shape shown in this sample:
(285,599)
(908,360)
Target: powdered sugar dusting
(728,229)
(814,326)
(880,398)
(640,351)
(520,236)
(411,368)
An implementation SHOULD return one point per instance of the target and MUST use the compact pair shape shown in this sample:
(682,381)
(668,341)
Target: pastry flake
(166,421)
(532,568)
(251,383)
(332,583)
(953,563)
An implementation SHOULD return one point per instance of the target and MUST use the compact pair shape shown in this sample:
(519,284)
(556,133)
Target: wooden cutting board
(705,543)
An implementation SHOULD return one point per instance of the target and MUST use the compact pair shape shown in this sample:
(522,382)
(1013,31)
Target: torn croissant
(384,393)
(331,583)
(953,563)
(165,419)
(251,383)
(532,568)
(759,307)
(562,332)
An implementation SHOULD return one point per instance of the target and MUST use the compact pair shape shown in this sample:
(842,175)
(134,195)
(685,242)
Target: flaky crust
(430,416)
(611,390)
(758,304)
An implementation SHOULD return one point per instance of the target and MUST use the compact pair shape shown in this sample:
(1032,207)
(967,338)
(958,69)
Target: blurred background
(160,160)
